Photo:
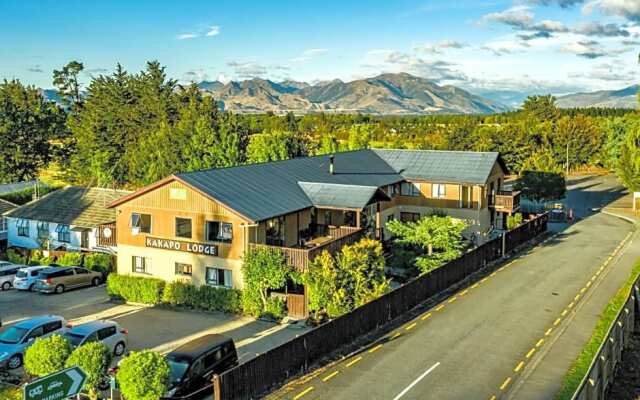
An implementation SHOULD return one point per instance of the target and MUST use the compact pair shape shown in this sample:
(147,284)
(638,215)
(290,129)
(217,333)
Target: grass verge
(581,365)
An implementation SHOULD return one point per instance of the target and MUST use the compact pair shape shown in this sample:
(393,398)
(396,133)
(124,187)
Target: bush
(143,375)
(275,308)
(38,258)
(99,262)
(94,359)
(135,288)
(10,393)
(203,298)
(47,355)
(514,221)
(70,259)
(14,257)
(23,196)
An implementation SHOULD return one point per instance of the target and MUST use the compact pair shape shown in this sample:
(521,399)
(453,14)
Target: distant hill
(623,98)
(386,94)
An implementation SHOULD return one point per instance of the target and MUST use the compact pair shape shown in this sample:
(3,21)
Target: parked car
(7,275)
(5,264)
(193,364)
(15,339)
(107,332)
(26,277)
(59,279)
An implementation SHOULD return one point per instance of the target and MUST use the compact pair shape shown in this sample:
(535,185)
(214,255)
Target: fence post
(504,244)
(217,395)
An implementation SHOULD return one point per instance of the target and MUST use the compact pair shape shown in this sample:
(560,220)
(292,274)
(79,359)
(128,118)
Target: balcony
(331,239)
(107,235)
(506,201)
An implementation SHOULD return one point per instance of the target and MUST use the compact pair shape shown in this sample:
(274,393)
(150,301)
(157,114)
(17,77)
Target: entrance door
(84,239)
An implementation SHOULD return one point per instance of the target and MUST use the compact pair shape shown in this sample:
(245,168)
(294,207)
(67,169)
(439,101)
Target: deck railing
(507,201)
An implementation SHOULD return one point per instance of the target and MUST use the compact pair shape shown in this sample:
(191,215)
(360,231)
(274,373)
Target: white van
(7,274)
(26,277)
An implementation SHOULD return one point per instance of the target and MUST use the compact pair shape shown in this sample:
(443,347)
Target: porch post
(358,219)
(378,234)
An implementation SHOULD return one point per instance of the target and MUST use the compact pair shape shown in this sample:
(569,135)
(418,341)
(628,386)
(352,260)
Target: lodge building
(196,226)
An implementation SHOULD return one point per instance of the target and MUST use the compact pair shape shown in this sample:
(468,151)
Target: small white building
(70,219)
(5,207)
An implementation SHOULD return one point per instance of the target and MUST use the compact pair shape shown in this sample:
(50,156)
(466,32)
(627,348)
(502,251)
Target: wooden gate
(297,305)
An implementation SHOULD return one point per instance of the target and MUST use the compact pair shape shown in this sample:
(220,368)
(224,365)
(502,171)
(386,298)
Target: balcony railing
(300,257)
(107,235)
(507,201)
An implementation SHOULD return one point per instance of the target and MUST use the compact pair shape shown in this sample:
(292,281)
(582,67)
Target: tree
(94,359)
(66,81)
(628,165)
(47,355)
(143,375)
(541,186)
(359,137)
(28,126)
(328,144)
(263,270)
(514,221)
(541,108)
(273,146)
(581,137)
(440,236)
(543,161)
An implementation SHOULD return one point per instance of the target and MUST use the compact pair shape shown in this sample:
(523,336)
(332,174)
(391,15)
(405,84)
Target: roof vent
(331,166)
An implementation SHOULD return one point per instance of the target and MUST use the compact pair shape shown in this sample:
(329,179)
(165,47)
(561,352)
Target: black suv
(193,365)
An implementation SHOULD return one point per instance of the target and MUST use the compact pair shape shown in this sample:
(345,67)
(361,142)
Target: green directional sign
(61,385)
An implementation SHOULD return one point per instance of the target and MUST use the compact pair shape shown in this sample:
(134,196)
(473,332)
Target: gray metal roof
(6,206)
(261,191)
(339,195)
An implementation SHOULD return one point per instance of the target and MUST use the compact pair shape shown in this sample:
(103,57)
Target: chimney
(331,169)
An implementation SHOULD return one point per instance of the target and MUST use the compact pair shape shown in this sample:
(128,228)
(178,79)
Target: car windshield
(74,338)
(13,335)
(21,274)
(178,369)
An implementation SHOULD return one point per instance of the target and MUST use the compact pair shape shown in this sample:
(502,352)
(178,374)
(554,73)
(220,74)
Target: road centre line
(505,383)
(440,307)
(530,353)
(374,349)
(355,360)
(415,382)
(557,321)
(409,327)
(426,316)
(299,395)
(539,343)
(451,300)
(331,375)
(463,292)
(548,332)
(519,367)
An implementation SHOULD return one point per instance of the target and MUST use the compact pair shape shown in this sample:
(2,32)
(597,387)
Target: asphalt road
(469,346)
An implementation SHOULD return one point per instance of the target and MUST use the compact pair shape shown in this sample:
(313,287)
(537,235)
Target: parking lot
(154,328)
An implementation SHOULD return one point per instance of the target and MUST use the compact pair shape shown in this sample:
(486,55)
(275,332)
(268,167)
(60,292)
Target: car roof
(92,326)
(10,266)
(34,268)
(37,321)
(50,270)
(197,347)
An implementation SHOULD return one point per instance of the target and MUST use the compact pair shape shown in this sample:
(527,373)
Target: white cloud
(437,48)
(213,31)
(379,52)
(314,52)
(588,49)
(186,36)
(518,17)
(629,9)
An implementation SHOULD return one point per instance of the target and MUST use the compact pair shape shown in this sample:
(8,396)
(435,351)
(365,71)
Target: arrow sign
(60,385)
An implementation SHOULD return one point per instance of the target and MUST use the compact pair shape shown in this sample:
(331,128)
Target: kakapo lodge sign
(177,245)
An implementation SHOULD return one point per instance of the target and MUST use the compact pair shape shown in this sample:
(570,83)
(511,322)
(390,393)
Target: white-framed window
(43,230)
(4,226)
(183,228)
(438,190)
(409,189)
(141,223)
(23,227)
(391,190)
(140,265)
(64,233)
(218,277)
(184,269)
(218,231)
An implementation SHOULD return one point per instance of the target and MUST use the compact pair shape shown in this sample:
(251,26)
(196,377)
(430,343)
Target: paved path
(476,344)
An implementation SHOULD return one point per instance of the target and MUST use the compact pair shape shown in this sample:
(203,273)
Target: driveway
(149,328)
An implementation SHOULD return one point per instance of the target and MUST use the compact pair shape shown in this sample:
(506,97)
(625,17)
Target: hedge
(203,297)
(135,288)
(70,259)
(24,196)
(99,262)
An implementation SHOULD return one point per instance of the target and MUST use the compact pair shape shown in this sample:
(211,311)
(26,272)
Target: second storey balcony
(506,201)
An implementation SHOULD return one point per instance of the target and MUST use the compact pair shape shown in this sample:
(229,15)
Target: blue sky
(553,46)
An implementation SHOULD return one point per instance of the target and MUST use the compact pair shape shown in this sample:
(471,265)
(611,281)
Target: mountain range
(386,94)
(623,98)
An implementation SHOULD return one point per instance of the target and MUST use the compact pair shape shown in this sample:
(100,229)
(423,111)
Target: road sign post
(60,385)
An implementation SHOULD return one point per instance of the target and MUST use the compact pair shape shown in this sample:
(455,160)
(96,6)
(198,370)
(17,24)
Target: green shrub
(514,221)
(10,393)
(143,375)
(135,288)
(275,308)
(23,196)
(94,359)
(15,257)
(202,298)
(47,355)
(99,262)
(70,259)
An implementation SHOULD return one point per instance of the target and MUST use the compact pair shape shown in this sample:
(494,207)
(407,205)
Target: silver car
(107,332)
(7,275)
(15,339)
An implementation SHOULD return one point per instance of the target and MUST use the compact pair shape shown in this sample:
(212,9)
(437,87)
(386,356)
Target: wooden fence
(297,356)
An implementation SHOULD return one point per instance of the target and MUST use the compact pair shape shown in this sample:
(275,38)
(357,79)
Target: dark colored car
(194,364)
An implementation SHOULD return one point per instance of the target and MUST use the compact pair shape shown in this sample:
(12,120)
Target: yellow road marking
(299,395)
(411,326)
(597,272)
(355,360)
(570,305)
(375,348)
(331,375)
(519,367)
(530,353)
(501,268)
(475,285)
(440,307)
(505,383)
(564,312)
(492,397)
(556,322)
(483,280)
(424,317)
(493,273)
(577,297)
(463,292)
(548,332)
(451,300)
(583,289)
(593,278)
(395,335)
(539,343)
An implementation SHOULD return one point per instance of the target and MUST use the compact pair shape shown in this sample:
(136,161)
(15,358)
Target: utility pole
(567,158)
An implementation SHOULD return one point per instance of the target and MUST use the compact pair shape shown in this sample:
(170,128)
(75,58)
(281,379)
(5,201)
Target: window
(390,217)
(140,265)
(350,218)
(438,190)
(212,358)
(23,227)
(391,190)
(106,332)
(183,269)
(3,224)
(64,233)
(141,222)
(275,231)
(409,189)
(327,217)
(217,231)
(178,194)
(35,333)
(43,230)
(81,271)
(218,277)
(409,217)
(91,338)
(183,228)
(52,326)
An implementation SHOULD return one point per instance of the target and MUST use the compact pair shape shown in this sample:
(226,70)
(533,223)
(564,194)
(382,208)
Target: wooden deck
(507,201)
